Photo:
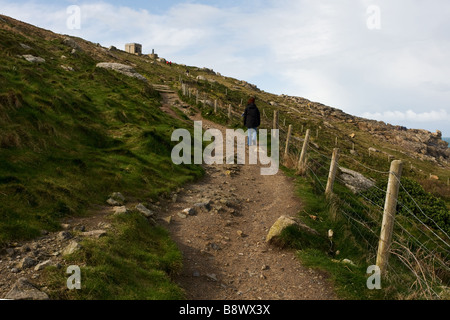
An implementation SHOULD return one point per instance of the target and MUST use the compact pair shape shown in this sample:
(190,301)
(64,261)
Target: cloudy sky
(380,59)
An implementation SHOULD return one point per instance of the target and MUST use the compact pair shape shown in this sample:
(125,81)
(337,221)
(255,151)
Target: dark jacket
(252,116)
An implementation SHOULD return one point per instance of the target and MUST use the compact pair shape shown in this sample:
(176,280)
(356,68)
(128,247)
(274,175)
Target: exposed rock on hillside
(417,143)
(355,181)
(72,43)
(122,68)
(282,223)
(25,290)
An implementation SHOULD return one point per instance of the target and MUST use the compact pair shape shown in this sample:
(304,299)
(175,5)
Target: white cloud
(409,115)
(322,51)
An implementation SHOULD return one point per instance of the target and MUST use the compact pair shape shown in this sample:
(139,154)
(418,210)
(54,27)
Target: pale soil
(225,253)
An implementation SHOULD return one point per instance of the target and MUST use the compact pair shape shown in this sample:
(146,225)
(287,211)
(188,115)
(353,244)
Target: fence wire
(317,169)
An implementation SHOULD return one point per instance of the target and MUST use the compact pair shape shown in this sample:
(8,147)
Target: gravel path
(223,242)
(225,253)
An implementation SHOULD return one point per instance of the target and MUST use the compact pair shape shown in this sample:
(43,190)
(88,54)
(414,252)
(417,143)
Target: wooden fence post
(229,111)
(332,174)
(288,141)
(390,207)
(215,106)
(302,161)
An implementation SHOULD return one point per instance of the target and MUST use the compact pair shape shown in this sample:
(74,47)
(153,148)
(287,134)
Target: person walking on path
(252,120)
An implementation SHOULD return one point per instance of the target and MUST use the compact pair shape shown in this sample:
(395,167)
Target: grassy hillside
(70,138)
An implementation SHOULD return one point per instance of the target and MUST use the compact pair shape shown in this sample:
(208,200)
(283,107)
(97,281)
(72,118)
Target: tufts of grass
(69,139)
(319,252)
(134,263)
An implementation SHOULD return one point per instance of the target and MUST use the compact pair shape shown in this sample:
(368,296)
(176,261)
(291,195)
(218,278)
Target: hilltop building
(133,48)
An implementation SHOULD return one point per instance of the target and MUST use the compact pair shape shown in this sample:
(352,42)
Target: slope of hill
(79,122)
(72,133)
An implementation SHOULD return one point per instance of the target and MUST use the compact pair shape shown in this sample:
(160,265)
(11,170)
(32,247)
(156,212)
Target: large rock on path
(25,290)
(282,223)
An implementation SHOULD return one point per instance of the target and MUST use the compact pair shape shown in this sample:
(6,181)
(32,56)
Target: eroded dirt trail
(223,244)
(225,253)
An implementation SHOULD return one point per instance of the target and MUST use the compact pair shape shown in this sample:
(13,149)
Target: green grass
(67,140)
(135,262)
(349,242)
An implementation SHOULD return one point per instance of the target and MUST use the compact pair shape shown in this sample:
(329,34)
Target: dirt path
(225,253)
(223,244)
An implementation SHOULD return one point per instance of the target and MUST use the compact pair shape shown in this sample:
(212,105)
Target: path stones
(10,252)
(168,219)
(144,211)
(71,248)
(120,210)
(26,263)
(116,199)
(203,205)
(43,265)
(64,235)
(112,202)
(189,211)
(181,215)
(123,69)
(212,277)
(25,290)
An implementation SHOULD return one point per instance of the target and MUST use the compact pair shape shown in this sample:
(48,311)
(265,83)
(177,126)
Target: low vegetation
(134,262)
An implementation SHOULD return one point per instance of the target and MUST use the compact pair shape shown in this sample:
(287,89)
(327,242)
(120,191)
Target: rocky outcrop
(123,69)
(273,237)
(73,247)
(417,143)
(355,181)
(144,211)
(25,290)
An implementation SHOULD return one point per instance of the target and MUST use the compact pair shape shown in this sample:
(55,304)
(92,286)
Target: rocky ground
(226,255)
(27,260)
